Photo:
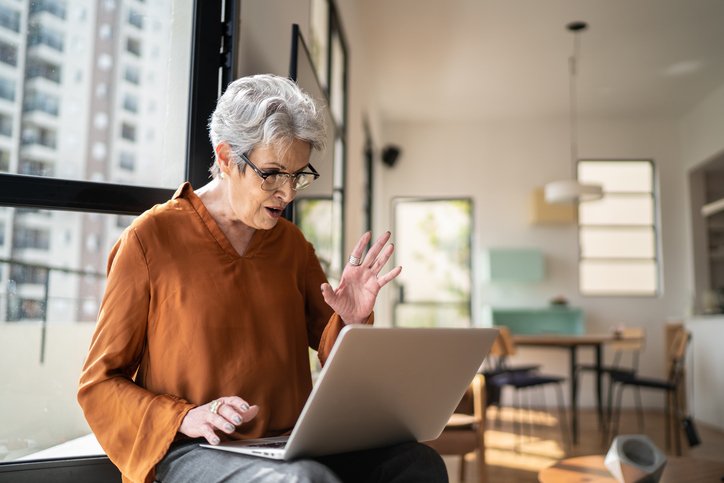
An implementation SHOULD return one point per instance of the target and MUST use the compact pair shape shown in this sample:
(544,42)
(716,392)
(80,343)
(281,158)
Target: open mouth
(274,212)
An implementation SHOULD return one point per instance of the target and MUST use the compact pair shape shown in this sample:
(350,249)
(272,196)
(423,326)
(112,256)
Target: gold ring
(214,406)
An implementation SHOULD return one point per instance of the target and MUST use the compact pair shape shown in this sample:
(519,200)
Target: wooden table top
(590,469)
(565,339)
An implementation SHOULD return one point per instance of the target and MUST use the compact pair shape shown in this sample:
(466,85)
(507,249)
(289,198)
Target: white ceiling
(491,59)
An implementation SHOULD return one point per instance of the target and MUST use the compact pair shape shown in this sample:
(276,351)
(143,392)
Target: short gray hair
(265,109)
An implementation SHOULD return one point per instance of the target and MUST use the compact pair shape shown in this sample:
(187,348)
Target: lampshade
(571,191)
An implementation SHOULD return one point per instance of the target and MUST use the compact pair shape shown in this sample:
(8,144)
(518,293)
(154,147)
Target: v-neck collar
(186,192)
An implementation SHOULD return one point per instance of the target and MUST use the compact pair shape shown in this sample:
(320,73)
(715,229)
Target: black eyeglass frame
(288,176)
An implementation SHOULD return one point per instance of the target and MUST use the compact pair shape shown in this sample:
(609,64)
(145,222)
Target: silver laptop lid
(382,386)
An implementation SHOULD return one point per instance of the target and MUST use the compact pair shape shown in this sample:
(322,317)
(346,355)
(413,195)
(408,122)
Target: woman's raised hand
(223,414)
(361,281)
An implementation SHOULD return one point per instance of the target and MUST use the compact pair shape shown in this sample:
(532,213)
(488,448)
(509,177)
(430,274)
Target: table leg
(599,384)
(574,396)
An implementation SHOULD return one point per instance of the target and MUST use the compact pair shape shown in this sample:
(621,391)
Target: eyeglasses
(272,181)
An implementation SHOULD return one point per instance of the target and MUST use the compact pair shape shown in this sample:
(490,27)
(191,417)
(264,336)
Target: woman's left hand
(355,297)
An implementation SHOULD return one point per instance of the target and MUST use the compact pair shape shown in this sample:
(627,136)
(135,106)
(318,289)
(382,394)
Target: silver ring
(214,406)
(355,261)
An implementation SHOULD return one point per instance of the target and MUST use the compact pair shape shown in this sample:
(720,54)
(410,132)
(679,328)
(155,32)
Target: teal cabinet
(544,320)
(514,265)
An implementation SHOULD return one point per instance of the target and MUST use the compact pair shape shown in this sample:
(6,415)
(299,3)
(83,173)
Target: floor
(506,463)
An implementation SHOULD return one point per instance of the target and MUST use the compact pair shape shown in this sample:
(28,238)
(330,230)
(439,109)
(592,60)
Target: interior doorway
(433,245)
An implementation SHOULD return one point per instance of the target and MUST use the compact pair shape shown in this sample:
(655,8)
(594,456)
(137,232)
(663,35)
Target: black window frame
(212,50)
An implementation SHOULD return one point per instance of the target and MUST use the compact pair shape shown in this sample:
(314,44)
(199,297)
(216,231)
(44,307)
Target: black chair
(527,377)
(670,386)
(497,363)
(626,349)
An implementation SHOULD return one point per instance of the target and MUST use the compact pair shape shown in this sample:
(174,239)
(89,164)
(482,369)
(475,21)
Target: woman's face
(252,205)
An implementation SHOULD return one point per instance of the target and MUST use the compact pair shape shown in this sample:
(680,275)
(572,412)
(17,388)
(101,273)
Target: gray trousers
(409,462)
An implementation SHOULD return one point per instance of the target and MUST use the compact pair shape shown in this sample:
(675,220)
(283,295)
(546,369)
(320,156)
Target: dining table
(572,343)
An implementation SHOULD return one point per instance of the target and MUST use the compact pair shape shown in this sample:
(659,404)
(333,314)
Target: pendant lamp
(572,190)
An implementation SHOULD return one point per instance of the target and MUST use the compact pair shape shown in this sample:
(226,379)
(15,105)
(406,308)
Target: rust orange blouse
(185,320)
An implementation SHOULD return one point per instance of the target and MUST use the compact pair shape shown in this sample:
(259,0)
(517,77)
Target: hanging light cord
(573,94)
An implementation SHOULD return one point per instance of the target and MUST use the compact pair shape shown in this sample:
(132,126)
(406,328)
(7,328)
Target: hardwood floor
(516,459)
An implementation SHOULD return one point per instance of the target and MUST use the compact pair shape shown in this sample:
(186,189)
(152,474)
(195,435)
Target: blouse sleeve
(134,426)
(323,325)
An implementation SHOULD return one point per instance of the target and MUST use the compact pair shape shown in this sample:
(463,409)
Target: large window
(71,180)
(618,234)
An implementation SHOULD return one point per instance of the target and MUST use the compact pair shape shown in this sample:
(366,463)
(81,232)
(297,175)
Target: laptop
(380,387)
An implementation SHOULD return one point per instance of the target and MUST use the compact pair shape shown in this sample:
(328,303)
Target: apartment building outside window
(35,168)
(4,165)
(64,116)
(53,7)
(127,160)
(128,131)
(130,103)
(36,238)
(41,101)
(8,54)
(6,125)
(28,274)
(40,68)
(132,74)
(39,135)
(135,18)
(7,89)
(133,46)
(43,35)
(618,235)
(9,18)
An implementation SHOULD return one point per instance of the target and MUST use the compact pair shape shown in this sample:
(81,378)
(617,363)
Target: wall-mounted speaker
(390,154)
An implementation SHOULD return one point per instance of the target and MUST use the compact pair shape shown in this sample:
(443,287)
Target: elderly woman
(211,303)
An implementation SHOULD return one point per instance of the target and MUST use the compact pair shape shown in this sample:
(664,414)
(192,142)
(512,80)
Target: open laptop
(379,387)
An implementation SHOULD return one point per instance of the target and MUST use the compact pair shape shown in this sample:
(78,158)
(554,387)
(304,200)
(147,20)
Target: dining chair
(626,351)
(498,362)
(465,431)
(673,404)
(528,379)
